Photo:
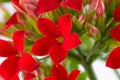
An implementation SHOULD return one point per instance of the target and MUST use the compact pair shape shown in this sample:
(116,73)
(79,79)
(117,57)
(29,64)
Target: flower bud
(93,30)
(81,18)
(100,8)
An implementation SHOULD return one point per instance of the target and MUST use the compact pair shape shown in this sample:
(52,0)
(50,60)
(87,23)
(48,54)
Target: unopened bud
(100,9)
(93,30)
(81,18)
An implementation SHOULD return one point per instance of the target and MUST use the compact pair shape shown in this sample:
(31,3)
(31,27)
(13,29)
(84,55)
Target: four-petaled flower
(60,73)
(17,59)
(57,39)
(54,4)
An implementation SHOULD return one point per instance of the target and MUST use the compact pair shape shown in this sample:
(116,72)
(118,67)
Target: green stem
(117,74)
(88,68)
(92,51)
(81,57)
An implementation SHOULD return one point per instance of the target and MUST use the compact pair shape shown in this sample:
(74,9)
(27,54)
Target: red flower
(13,20)
(26,6)
(117,14)
(115,32)
(113,60)
(53,4)
(57,39)
(14,63)
(59,73)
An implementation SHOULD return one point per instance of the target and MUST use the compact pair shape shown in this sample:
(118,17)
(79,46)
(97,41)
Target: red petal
(50,78)
(27,63)
(18,40)
(29,76)
(13,20)
(16,4)
(51,5)
(9,68)
(57,53)
(73,75)
(73,4)
(113,60)
(15,77)
(47,27)
(117,14)
(42,45)
(72,41)
(59,72)
(6,49)
(65,24)
(115,32)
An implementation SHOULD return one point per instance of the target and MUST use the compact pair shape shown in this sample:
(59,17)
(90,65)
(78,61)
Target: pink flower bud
(100,8)
(81,18)
(93,30)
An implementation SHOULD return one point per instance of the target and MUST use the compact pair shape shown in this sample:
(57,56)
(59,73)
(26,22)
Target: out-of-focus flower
(17,59)
(60,73)
(117,14)
(54,4)
(115,32)
(14,19)
(57,39)
(113,60)
(26,6)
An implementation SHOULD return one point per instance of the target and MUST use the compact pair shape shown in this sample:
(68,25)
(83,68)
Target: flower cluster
(51,37)
(56,41)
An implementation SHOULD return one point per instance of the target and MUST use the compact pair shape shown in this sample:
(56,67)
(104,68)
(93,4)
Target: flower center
(60,39)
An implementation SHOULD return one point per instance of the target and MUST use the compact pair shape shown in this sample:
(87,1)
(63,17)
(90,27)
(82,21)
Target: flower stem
(117,74)
(90,72)
(82,58)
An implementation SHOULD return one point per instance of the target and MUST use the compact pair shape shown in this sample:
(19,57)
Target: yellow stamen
(60,39)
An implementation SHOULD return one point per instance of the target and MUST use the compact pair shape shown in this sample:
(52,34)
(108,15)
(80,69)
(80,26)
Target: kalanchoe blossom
(57,39)
(115,32)
(117,14)
(26,6)
(16,57)
(54,4)
(59,73)
(113,60)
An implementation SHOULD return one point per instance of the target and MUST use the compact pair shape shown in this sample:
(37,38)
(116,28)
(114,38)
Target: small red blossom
(117,14)
(57,39)
(54,4)
(60,73)
(115,32)
(113,60)
(23,62)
